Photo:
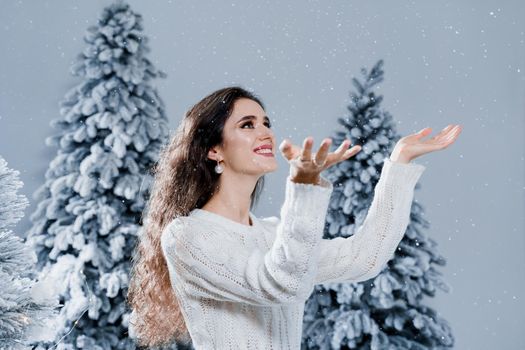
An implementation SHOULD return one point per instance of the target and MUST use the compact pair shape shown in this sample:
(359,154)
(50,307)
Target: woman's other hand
(412,146)
(305,167)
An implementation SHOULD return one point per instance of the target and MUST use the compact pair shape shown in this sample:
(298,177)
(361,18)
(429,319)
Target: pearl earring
(218,168)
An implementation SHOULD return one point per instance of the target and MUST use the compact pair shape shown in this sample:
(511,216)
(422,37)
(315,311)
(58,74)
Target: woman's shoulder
(192,230)
(172,230)
(185,228)
(177,224)
(269,221)
(201,232)
(185,225)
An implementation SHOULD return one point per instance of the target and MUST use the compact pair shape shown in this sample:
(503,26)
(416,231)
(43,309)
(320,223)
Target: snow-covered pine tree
(20,311)
(386,312)
(86,224)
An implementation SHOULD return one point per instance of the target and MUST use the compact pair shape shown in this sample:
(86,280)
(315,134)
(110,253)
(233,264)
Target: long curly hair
(183,179)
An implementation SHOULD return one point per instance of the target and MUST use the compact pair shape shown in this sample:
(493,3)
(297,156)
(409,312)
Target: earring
(218,168)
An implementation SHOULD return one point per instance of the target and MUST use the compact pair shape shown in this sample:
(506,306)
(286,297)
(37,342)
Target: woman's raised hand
(413,146)
(305,167)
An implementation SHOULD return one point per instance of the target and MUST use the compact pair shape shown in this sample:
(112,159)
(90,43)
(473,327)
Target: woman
(207,270)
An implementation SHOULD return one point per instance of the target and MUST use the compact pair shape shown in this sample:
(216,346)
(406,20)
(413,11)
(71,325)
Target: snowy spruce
(24,309)
(89,209)
(387,311)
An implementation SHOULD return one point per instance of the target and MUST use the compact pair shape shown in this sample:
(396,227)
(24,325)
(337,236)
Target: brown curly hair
(184,179)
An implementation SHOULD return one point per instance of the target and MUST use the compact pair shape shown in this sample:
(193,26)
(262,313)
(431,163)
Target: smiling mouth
(268,153)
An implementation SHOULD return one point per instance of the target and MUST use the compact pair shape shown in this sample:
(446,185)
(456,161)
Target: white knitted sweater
(245,287)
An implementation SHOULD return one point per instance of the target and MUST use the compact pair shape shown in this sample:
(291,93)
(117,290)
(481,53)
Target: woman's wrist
(399,158)
(314,180)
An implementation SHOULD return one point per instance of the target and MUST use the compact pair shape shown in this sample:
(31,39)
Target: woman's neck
(241,216)
(233,199)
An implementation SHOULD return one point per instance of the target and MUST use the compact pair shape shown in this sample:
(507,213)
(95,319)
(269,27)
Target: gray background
(447,62)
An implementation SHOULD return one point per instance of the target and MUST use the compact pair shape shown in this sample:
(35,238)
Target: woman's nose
(264,131)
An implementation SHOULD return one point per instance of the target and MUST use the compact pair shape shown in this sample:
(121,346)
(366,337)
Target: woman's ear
(213,154)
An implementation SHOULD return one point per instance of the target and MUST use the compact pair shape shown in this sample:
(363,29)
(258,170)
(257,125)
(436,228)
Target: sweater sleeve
(364,254)
(212,264)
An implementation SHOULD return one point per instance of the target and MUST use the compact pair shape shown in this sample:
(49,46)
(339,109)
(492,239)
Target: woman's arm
(218,267)
(364,254)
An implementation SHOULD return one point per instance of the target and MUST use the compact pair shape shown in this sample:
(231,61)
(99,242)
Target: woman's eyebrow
(251,117)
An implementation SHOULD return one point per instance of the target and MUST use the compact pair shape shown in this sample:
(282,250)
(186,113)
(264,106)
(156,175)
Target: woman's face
(245,130)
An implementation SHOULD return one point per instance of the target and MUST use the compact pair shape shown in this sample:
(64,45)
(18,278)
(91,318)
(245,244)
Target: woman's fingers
(321,155)
(441,134)
(286,149)
(454,132)
(341,151)
(352,152)
(306,152)
(413,146)
(449,132)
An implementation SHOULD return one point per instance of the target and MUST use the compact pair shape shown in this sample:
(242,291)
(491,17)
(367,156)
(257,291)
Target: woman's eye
(268,124)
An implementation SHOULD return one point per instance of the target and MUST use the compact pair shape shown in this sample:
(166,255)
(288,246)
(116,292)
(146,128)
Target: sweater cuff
(408,173)
(308,200)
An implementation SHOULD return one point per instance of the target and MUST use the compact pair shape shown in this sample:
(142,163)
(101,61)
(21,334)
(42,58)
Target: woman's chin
(269,169)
